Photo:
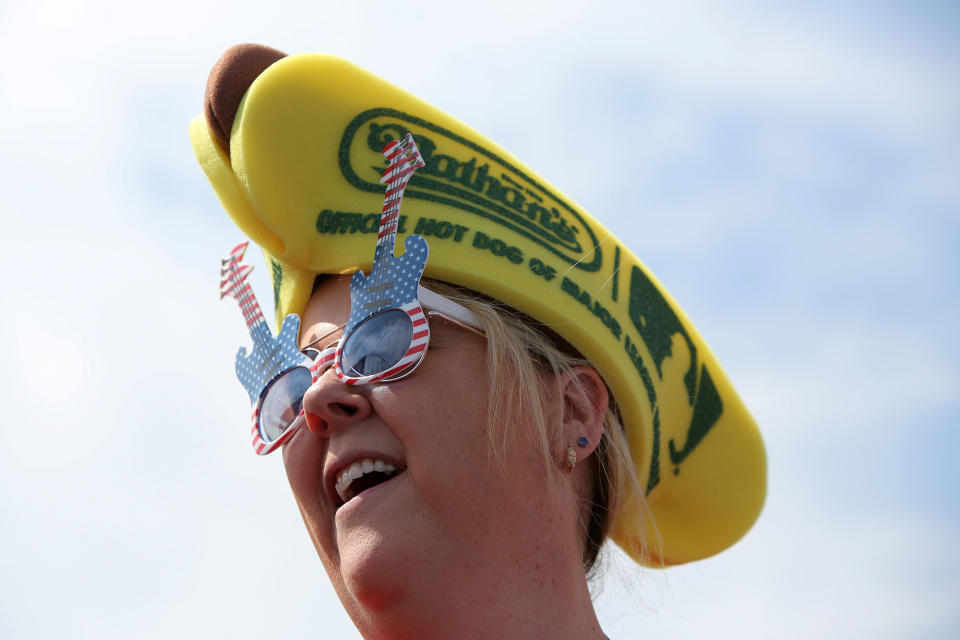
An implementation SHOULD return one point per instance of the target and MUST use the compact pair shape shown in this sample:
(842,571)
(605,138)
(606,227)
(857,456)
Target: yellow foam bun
(301,180)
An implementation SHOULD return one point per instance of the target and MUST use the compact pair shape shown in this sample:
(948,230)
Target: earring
(571,460)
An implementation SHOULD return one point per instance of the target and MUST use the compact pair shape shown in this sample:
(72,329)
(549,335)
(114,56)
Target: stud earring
(571,460)
(582,441)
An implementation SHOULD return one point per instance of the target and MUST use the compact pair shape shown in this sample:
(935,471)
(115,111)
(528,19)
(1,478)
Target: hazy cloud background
(790,173)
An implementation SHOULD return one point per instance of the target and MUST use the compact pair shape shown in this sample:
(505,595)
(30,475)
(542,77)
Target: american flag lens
(377,343)
(282,402)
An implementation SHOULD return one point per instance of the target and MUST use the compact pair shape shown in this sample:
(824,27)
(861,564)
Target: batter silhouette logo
(462,174)
(677,363)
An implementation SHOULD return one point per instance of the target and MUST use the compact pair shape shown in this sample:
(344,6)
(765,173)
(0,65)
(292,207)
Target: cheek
(303,460)
(451,418)
(454,462)
(440,416)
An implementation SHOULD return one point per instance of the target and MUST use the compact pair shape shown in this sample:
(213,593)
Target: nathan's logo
(462,174)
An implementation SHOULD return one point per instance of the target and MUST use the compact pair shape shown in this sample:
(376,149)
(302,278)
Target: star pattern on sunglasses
(393,284)
(270,355)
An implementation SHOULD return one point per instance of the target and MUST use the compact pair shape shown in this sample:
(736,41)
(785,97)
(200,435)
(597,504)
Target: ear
(585,400)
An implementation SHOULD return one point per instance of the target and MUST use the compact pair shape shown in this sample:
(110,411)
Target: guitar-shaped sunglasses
(387,333)
(385,337)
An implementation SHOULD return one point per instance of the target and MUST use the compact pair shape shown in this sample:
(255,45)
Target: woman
(472,503)
(457,461)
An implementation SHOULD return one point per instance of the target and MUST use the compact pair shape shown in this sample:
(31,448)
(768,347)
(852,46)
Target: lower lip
(371,495)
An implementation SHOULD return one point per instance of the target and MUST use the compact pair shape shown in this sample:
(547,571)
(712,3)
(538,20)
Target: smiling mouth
(362,475)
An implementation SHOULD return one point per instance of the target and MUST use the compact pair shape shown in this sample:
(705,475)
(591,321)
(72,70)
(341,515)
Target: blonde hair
(521,355)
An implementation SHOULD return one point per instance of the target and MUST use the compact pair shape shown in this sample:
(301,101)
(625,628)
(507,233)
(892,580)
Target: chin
(380,542)
(375,573)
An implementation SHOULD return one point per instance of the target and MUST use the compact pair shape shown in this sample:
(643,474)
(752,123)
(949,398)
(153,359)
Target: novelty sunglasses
(386,334)
(387,347)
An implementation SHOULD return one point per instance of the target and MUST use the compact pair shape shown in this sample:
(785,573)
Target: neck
(530,597)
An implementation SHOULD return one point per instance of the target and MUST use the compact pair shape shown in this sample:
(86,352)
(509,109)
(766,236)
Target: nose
(331,405)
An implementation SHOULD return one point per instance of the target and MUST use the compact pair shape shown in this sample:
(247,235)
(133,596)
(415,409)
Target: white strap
(448,307)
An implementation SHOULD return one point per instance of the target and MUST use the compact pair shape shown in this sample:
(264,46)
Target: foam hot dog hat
(292,146)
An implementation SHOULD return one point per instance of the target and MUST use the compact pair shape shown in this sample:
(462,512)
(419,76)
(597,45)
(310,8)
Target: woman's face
(453,514)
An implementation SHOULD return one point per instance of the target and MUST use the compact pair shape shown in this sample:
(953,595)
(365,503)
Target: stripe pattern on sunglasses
(418,344)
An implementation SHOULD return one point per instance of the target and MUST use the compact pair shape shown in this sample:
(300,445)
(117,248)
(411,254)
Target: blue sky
(788,172)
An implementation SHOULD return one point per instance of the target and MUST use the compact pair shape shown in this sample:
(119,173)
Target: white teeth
(356,470)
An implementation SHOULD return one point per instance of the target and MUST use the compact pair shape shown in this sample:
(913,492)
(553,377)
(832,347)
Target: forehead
(328,308)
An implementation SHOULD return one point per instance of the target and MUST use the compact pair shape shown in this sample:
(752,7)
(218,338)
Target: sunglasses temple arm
(449,308)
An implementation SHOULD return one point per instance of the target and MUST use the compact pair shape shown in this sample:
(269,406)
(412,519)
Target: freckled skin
(456,546)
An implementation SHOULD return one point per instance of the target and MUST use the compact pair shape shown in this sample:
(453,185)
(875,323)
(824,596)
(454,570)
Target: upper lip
(332,470)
